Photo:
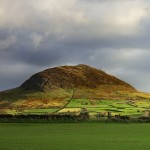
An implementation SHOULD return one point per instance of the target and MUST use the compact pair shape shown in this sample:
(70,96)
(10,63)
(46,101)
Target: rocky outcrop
(80,76)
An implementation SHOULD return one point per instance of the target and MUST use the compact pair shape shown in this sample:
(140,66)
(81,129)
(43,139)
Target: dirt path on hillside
(66,103)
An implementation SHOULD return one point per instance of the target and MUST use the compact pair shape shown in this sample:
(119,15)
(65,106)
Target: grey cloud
(6,43)
(110,35)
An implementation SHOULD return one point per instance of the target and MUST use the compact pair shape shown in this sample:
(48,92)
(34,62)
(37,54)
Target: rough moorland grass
(21,94)
(74,136)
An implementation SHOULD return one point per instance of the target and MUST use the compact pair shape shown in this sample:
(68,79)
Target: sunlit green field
(122,107)
(74,136)
(134,108)
(101,100)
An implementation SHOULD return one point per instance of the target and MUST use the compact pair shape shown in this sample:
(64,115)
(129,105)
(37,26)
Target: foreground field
(74,136)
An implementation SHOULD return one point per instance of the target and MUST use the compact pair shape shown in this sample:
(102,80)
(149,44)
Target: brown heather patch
(42,103)
(67,77)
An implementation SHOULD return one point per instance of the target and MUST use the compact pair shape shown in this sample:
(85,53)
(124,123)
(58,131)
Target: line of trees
(83,116)
(47,117)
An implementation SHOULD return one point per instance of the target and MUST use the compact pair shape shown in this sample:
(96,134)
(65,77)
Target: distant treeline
(70,117)
(49,117)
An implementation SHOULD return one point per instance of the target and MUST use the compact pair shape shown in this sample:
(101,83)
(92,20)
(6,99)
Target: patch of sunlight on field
(122,107)
(144,95)
(39,111)
(29,111)
(79,103)
(65,110)
(10,111)
(145,104)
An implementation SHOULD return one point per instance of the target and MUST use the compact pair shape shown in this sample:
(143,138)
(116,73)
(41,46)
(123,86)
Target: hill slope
(71,88)
(69,77)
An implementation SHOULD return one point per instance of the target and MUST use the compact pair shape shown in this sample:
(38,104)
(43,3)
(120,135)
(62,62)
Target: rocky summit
(69,77)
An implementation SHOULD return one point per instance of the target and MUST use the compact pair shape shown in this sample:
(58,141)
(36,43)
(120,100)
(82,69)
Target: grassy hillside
(116,100)
(69,89)
(18,100)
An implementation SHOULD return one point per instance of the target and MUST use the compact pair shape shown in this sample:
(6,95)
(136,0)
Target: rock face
(80,76)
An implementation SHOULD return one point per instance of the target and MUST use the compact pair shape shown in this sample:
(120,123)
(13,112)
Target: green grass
(103,99)
(79,103)
(122,107)
(74,136)
(39,111)
(116,107)
(25,101)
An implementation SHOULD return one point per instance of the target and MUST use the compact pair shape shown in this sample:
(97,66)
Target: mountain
(69,77)
(70,88)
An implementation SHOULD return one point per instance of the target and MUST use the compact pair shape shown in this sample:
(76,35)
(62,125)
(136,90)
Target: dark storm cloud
(111,35)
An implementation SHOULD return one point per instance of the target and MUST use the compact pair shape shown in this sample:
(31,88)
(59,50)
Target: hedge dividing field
(74,136)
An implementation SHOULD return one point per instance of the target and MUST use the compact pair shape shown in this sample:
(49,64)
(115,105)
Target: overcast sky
(112,35)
